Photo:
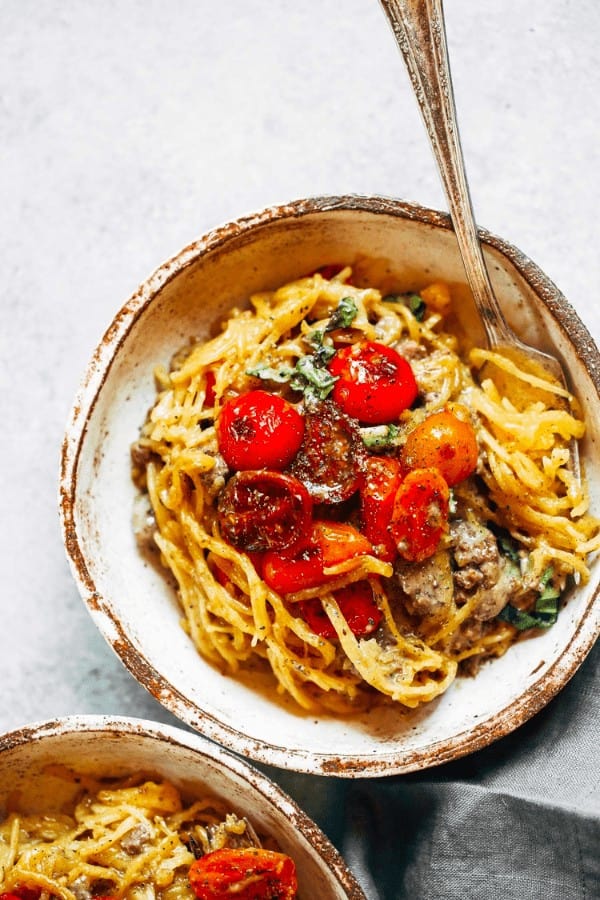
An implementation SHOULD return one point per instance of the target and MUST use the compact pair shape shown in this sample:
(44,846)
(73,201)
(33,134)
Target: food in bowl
(339,500)
(120,838)
(119,807)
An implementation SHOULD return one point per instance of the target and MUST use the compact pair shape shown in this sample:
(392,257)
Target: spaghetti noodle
(505,536)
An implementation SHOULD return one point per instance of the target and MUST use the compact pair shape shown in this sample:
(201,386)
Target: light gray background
(127,129)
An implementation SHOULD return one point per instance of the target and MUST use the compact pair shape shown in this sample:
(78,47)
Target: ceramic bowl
(104,746)
(131,602)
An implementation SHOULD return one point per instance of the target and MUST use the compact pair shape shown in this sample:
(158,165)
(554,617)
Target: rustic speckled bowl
(105,746)
(130,600)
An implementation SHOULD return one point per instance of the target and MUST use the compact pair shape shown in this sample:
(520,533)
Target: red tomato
(259,430)
(378,492)
(264,511)
(330,458)
(246,874)
(327,544)
(420,514)
(287,573)
(375,384)
(210,396)
(444,442)
(357,605)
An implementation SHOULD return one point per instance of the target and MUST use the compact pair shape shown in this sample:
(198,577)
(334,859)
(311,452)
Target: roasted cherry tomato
(444,442)
(264,510)
(330,458)
(378,491)
(339,541)
(357,605)
(420,515)
(259,430)
(374,383)
(249,873)
(328,544)
(287,572)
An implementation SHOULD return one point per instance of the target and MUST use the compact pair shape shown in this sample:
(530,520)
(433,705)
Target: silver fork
(420,33)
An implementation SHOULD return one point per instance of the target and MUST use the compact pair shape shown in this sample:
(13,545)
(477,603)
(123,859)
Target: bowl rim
(272,793)
(467,741)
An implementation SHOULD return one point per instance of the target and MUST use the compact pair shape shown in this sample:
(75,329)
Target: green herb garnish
(343,315)
(544,613)
(268,373)
(414,302)
(310,374)
(312,378)
(380,436)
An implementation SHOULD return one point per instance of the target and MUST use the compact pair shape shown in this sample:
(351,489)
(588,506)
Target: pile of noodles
(129,841)
(524,463)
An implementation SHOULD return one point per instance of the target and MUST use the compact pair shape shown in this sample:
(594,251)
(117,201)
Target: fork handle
(420,33)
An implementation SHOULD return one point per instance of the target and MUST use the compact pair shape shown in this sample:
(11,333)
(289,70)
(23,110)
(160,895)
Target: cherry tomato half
(328,544)
(374,383)
(378,491)
(420,515)
(259,430)
(330,458)
(442,441)
(249,873)
(287,573)
(264,510)
(357,605)
(339,541)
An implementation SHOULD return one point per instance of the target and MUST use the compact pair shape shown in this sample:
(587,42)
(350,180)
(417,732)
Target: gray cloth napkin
(519,820)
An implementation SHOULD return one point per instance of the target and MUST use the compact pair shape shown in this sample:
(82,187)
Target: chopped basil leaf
(380,436)
(519,618)
(268,373)
(309,375)
(415,303)
(508,547)
(343,315)
(323,354)
(314,338)
(544,613)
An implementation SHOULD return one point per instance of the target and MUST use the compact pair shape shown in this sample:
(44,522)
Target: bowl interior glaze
(105,746)
(130,600)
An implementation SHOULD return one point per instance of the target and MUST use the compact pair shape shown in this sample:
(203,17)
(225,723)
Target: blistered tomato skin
(330,459)
(444,442)
(327,544)
(420,515)
(249,873)
(377,493)
(375,384)
(264,510)
(259,430)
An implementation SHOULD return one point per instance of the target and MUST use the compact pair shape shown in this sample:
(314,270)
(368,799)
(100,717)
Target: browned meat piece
(214,479)
(427,586)
(481,569)
(136,840)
